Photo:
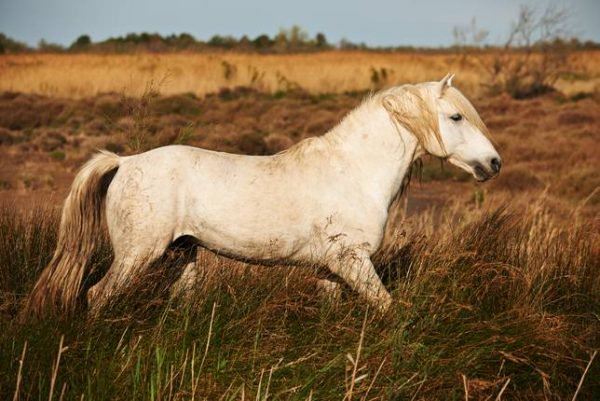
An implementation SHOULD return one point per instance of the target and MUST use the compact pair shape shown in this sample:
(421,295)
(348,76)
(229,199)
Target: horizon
(62,23)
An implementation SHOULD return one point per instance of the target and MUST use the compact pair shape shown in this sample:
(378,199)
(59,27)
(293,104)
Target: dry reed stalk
(61,349)
(356,360)
(583,376)
(499,396)
(465,386)
(19,377)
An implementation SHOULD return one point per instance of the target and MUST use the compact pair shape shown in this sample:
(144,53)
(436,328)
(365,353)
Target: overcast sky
(375,22)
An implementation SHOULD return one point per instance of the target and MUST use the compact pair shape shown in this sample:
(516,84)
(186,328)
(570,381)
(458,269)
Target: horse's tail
(59,287)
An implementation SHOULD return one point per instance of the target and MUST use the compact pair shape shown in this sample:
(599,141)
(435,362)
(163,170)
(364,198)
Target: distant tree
(345,44)
(293,38)
(144,37)
(81,42)
(533,57)
(225,42)
(469,35)
(321,40)
(244,43)
(281,40)
(48,47)
(297,36)
(181,41)
(262,42)
(186,37)
(9,45)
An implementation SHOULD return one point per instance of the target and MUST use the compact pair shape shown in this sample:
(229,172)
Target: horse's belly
(254,243)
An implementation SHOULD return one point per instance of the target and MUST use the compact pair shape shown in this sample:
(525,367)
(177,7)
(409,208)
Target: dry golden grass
(83,75)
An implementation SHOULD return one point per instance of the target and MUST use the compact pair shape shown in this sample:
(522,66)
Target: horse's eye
(456,117)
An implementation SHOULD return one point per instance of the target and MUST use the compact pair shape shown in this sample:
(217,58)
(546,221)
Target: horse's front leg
(356,269)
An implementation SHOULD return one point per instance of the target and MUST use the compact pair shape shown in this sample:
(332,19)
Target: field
(496,286)
(84,75)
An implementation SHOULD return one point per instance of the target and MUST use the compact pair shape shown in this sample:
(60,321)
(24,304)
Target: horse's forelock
(464,107)
(414,109)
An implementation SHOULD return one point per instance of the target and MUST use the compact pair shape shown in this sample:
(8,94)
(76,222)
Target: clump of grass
(486,301)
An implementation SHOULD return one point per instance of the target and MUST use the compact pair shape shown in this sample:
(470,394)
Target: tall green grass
(485,303)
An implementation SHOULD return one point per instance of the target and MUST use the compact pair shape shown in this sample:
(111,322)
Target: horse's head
(446,125)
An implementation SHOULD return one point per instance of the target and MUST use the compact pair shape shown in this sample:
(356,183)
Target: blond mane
(413,107)
(410,106)
(413,110)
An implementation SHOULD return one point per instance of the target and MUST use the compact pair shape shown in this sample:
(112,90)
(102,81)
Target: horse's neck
(380,153)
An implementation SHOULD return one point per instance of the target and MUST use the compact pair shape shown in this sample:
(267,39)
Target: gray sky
(375,22)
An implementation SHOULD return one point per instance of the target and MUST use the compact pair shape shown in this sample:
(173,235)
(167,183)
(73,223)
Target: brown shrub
(6,137)
(575,117)
(29,111)
(516,179)
(321,122)
(252,144)
(114,147)
(277,142)
(185,105)
(109,106)
(97,127)
(498,123)
(580,183)
(51,140)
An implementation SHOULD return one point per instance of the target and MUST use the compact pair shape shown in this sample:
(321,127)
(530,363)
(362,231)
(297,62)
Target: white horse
(324,201)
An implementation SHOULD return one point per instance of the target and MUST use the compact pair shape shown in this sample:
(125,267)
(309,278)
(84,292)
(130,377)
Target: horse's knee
(357,270)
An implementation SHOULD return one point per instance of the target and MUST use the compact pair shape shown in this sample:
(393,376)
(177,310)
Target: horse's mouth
(481,174)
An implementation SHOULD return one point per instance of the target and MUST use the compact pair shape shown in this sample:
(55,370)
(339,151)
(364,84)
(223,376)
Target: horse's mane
(411,106)
(305,145)
(413,109)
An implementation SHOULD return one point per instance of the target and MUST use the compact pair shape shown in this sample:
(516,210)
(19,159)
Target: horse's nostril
(496,164)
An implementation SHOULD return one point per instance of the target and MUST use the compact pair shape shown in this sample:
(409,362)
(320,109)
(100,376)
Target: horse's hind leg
(186,283)
(127,266)
(185,252)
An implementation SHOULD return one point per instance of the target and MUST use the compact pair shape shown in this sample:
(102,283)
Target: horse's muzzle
(484,173)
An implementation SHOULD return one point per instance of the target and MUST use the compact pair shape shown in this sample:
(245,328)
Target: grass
(84,75)
(485,301)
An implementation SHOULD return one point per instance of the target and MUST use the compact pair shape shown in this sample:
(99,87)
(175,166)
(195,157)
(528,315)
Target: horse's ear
(446,82)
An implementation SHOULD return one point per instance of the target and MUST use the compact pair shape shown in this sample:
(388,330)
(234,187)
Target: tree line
(287,40)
